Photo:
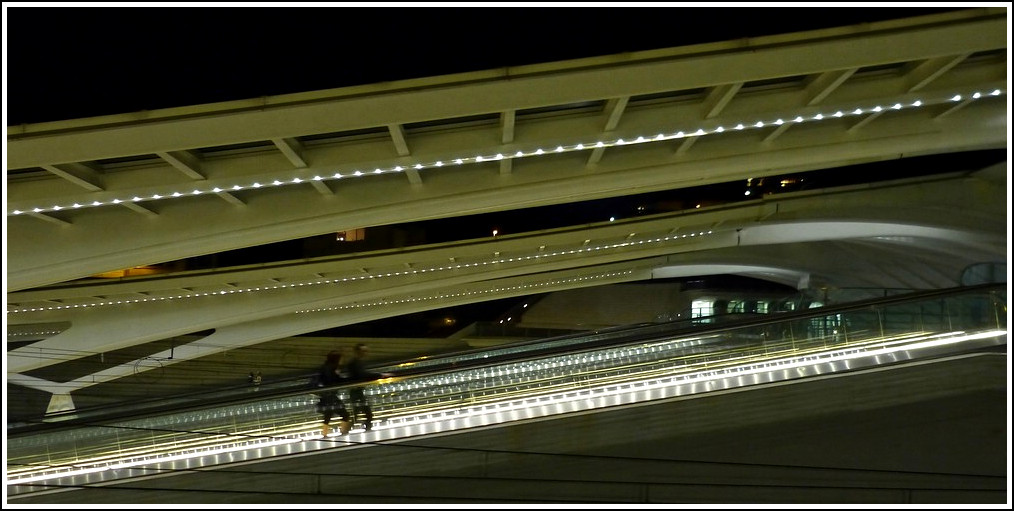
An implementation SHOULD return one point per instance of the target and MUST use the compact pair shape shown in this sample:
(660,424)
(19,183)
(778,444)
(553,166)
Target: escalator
(480,390)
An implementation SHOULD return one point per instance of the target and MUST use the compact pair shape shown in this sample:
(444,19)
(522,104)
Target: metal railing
(521,377)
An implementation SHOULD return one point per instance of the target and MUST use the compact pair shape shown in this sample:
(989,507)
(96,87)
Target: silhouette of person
(255,379)
(330,403)
(355,370)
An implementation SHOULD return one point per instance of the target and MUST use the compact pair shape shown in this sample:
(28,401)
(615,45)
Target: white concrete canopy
(93,195)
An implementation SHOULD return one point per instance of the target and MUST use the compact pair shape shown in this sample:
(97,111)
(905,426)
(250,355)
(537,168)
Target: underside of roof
(102,194)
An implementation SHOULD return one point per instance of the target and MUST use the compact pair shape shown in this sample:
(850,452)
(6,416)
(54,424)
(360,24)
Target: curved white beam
(515,88)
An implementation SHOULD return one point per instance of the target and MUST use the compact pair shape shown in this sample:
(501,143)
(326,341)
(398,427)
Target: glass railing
(481,387)
(890,313)
(273,387)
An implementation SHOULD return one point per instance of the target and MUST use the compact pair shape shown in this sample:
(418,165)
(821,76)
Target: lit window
(352,234)
(702,308)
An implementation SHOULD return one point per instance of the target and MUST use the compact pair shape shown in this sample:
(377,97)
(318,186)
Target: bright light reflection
(564,400)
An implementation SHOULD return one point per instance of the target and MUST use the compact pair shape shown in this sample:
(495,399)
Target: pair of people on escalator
(340,367)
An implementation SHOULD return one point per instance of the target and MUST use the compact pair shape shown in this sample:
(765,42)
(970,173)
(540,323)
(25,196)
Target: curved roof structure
(100,194)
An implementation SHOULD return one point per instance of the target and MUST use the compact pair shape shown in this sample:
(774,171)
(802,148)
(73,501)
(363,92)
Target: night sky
(68,62)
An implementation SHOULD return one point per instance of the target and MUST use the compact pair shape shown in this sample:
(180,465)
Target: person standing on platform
(356,370)
(330,403)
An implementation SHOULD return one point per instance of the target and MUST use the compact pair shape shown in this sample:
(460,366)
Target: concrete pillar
(60,403)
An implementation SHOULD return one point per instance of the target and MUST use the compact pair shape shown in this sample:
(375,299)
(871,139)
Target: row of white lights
(499,156)
(512,410)
(356,278)
(189,449)
(90,466)
(470,293)
(541,401)
(141,454)
(884,347)
(33,334)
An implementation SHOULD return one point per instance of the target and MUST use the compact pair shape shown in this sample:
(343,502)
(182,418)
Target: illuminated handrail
(453,361)
(976,316)
(517,351)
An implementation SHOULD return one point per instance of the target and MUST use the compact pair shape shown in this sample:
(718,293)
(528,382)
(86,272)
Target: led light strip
(530,407)
(462,160)
(193,453)
(33,334)
(142,455)
(469,293)
(701,376)
(13,309)
(517,373)
(206,444)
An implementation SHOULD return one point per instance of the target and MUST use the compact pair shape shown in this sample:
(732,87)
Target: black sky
(65,62)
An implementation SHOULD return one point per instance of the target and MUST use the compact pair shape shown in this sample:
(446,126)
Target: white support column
(60,403)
